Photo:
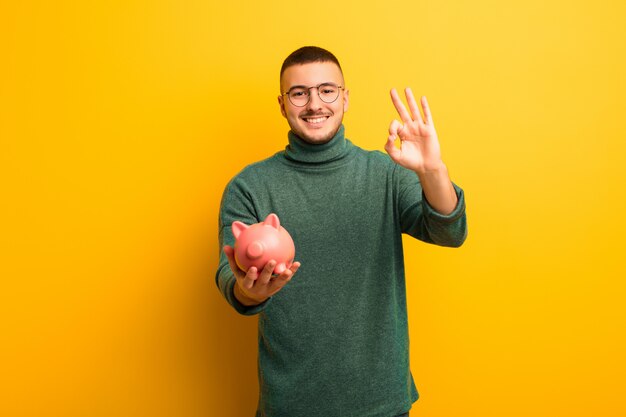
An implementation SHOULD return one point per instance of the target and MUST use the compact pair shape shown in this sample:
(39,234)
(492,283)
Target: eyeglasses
(300,95)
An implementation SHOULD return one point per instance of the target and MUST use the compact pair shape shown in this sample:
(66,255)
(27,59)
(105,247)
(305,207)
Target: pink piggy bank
(257,244)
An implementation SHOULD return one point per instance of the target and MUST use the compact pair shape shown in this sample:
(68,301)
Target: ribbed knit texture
(334,341)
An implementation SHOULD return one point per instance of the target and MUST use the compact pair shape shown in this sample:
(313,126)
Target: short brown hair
(306,55)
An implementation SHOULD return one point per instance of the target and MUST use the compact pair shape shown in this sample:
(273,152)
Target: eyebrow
(304,86)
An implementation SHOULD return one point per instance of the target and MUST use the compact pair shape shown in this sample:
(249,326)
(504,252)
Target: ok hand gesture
(419,146)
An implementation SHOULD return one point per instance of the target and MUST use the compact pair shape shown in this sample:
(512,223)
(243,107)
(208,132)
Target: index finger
(399,105)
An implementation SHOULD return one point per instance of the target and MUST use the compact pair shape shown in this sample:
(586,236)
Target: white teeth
(316,120)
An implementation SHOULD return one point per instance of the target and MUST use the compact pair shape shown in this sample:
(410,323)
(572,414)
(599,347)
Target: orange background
(122,121)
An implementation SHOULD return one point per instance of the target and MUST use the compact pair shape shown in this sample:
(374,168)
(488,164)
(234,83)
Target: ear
(272,220)
(238,228)
(346,96)
(281,103)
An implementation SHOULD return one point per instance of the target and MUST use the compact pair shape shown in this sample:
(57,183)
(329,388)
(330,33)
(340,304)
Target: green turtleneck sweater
(334,341)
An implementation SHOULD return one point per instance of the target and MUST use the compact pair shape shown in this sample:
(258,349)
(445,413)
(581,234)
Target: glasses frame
(317,87)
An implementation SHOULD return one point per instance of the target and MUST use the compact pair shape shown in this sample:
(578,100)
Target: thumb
(394,128)
(391,149)
(230,254)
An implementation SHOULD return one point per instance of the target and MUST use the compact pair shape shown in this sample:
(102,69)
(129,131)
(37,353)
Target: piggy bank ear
(272,220)
(238,228)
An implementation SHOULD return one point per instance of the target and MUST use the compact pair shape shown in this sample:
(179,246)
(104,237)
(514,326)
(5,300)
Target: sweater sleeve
(237,204)
(420,220)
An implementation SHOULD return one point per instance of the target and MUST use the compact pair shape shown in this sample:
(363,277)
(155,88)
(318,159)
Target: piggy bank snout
(255,249)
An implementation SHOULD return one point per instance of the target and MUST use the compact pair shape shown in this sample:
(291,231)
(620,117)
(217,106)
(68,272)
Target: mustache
(315,114)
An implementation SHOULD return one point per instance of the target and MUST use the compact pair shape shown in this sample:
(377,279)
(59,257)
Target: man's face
(317,121)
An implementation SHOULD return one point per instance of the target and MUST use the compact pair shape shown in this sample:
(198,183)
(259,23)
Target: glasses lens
(328,92)
(299,96)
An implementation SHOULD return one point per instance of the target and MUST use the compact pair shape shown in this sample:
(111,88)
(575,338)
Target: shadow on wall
(231,348)
(233,358)
(212,349)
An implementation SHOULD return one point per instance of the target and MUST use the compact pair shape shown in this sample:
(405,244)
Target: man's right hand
(253,288)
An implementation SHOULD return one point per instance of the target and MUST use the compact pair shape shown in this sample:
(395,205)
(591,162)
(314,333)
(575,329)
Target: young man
(333,337)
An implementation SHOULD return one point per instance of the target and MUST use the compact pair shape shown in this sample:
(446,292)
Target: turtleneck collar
(300,151)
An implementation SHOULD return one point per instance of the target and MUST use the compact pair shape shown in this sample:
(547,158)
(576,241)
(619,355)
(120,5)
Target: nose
(315,102)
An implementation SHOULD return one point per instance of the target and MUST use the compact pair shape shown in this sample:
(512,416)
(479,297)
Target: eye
(299,92)
(328,89)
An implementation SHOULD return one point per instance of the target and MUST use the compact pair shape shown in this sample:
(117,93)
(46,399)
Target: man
(333,332)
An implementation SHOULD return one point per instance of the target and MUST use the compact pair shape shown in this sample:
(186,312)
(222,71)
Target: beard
(312,136)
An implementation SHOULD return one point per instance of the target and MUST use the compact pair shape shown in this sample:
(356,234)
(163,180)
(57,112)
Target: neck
(302,151)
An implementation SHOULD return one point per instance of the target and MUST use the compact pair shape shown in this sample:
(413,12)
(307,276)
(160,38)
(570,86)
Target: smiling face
(316,122)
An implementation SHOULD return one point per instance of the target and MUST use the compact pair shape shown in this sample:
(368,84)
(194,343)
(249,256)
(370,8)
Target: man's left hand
(419,146)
